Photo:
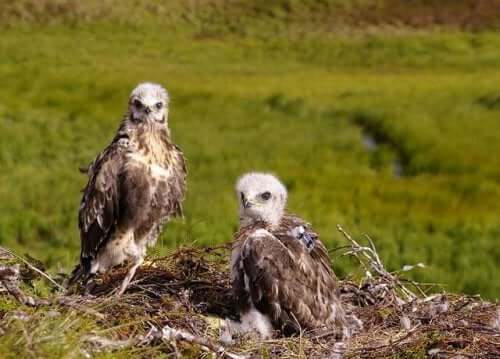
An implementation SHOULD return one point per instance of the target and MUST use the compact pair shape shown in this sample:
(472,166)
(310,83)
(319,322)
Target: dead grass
(421,14)
(176,303)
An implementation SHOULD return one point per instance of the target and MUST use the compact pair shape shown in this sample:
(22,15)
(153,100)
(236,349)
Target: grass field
(265,96)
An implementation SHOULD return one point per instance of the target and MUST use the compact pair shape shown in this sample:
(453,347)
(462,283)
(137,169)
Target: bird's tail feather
(79,275)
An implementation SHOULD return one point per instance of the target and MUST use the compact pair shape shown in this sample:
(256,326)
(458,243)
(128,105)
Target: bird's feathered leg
(130,275)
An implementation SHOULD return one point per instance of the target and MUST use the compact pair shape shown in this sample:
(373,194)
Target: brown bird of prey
(280,271)
(135,186)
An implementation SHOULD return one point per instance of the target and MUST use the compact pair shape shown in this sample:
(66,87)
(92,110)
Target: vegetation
(175,307)
(381,116)
(281,88)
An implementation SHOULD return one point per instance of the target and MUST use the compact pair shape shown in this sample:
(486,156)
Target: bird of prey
(134,187)
(280,271)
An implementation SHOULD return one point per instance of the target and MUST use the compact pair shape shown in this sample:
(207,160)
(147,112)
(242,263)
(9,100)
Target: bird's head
(262,198)
(148,104)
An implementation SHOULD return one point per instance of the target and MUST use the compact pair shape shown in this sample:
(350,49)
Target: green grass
(293,103)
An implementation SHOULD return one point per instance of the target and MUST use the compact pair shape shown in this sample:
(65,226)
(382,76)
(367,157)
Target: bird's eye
(137,104)
(242,196)
(159,105)
(266,195)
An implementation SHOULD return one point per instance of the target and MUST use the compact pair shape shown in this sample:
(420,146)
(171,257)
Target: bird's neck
(154,143)
(152,134)
(270,223)
(151,140)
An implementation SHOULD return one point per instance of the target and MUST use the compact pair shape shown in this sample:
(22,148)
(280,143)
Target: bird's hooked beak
(147,110)
(245,202)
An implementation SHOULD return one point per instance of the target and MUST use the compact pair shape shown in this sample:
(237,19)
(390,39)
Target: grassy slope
(269,98)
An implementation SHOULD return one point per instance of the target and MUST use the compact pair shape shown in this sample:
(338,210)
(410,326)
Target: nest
(177,304)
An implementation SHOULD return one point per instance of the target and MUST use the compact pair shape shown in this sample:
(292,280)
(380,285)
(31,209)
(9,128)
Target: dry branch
(171,334)
(369,259)
(4,251)
(171,300)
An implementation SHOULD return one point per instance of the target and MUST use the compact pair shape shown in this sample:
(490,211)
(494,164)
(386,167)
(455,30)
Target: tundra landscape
(380,117)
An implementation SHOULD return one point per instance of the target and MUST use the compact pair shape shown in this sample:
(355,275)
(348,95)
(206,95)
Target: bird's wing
(238,285)
(285,282)
(318,250)
(178,187)
(99,209)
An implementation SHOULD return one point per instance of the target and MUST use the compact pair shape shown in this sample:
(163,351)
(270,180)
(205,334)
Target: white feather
(156,170)
(252,186)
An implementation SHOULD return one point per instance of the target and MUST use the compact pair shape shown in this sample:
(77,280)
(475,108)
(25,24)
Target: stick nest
(188,293)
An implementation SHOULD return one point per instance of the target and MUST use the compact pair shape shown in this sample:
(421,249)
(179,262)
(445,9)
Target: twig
(66,301)
(32,267)
(370,255)
(171,334)
(106,343)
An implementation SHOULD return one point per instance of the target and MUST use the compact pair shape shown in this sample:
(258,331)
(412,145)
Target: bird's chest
(146,180)
(140,164)
(148,153)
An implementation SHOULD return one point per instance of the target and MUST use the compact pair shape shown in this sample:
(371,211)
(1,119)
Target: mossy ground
(188,290)
(273,87)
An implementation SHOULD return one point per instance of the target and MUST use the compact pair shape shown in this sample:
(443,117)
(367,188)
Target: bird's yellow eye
(159,105)
(137,104)
(266,195)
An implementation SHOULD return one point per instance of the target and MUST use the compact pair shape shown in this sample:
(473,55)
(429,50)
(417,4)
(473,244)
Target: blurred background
(382,116)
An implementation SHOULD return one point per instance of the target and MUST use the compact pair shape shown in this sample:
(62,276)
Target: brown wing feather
(178,184)
(286,283)
(319,252)
(99,209)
